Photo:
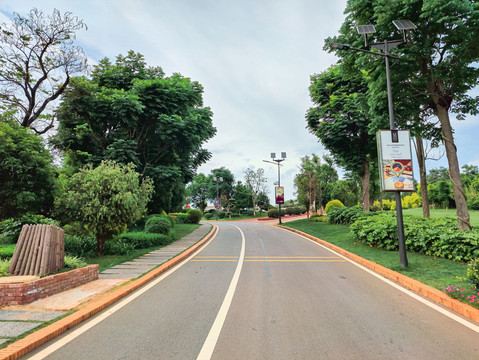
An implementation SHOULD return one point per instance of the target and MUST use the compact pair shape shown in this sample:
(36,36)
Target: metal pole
(400,223)
(216,201)
(279,184)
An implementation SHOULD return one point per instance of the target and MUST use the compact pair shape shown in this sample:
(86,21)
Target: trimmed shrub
(158,225)
(333,204)
(221,214)
(273,213)
(195,216)
(181,218)
(208,216)
(319,218)
(290,210)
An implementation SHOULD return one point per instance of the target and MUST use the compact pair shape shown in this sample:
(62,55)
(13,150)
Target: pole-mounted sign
(395,161)
(279,195)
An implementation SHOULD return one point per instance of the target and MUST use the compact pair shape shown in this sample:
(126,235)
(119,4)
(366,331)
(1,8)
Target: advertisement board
(395,160)
(279,195)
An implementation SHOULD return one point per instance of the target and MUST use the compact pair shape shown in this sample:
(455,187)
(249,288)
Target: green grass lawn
(435,272)
(474,214)
(108,261)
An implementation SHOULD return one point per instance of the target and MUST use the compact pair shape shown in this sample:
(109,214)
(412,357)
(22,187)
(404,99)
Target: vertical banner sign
(395,161)
(218,204)
(279,194)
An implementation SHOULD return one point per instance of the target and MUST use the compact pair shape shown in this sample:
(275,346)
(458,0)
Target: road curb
(425,290)
(87,310)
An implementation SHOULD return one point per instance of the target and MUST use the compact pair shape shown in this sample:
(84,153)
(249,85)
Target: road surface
(259,292)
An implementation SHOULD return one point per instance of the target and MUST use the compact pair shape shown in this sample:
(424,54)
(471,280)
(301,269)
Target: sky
(254,59)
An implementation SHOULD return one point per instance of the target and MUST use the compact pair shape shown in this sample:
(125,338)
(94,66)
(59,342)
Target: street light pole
(278,161)
(404,26)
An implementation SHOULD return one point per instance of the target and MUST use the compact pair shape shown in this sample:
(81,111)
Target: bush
(221,214)
(7,251)
(142,240)
(73,262)
(83,246)
(195,216)
(10,228)
(290,210)
(319,218)
(433,236)
(273,213)
(411,201)
(181,218)
(473,272)
(158,225)
(345,215)
(333,204)
(208,216)
(4,264)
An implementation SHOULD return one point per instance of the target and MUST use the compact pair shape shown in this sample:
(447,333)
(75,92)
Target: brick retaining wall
(27,292)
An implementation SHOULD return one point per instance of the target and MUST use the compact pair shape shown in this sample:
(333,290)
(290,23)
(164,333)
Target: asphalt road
(259,292)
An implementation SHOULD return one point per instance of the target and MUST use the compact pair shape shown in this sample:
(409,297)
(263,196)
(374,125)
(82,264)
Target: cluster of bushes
(319,218)
(432,236)
(408,202)
(291,210)
(192,216)
(346,215)
(10,228)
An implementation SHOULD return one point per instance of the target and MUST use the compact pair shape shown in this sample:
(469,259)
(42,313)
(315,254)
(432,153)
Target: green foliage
(6,251)
(433,236)
(73,262)
(181,218)
(208,216)
(158,225)
(333,204)
(27,178)
(82,246)
(132,113)
(221,214)
(473,272)
(10,228)
(273,213)
(194,216)
(4,264)
(411,201)
(319,218)
(106,199)
(345,215)
(125,243)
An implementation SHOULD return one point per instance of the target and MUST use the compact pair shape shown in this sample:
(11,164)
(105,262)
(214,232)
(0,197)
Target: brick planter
(26,292)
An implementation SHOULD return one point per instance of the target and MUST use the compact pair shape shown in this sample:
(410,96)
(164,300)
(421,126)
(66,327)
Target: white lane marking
(212,338)
(426,302)
(74,334)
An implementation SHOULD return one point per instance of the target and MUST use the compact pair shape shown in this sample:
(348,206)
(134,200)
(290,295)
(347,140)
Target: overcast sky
(253,57)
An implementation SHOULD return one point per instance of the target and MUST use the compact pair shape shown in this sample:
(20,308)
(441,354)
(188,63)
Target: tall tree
(307,181)
(198,190)
(438,66)
(224,186)
(255,181)
(37,59)
(131,113)
(340,120)
(27,178)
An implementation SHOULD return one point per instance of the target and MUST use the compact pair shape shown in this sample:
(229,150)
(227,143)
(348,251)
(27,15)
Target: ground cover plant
(436,272)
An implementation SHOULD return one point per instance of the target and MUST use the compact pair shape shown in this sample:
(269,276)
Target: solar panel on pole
(404,24)
(366,29)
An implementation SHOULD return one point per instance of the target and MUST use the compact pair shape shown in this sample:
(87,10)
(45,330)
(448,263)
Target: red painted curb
(38,338)
(423,289)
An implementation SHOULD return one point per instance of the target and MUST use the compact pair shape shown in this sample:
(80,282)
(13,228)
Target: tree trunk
(365,178)
(421,160)
(454,172)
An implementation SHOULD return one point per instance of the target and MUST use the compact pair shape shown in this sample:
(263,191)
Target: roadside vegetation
(439,255)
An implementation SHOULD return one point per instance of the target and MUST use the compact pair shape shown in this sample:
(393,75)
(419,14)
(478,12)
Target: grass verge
(436,272)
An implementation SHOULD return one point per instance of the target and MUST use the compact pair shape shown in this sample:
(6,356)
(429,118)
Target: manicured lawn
(108,261)
(435,272)
(474,214)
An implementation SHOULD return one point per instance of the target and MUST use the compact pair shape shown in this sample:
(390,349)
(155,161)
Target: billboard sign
(395,160)
(279,195)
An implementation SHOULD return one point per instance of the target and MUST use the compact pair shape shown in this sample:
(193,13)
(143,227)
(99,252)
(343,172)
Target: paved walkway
(16,320)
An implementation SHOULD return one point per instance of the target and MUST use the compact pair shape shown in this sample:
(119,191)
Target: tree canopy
(131,113)
(37,59)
